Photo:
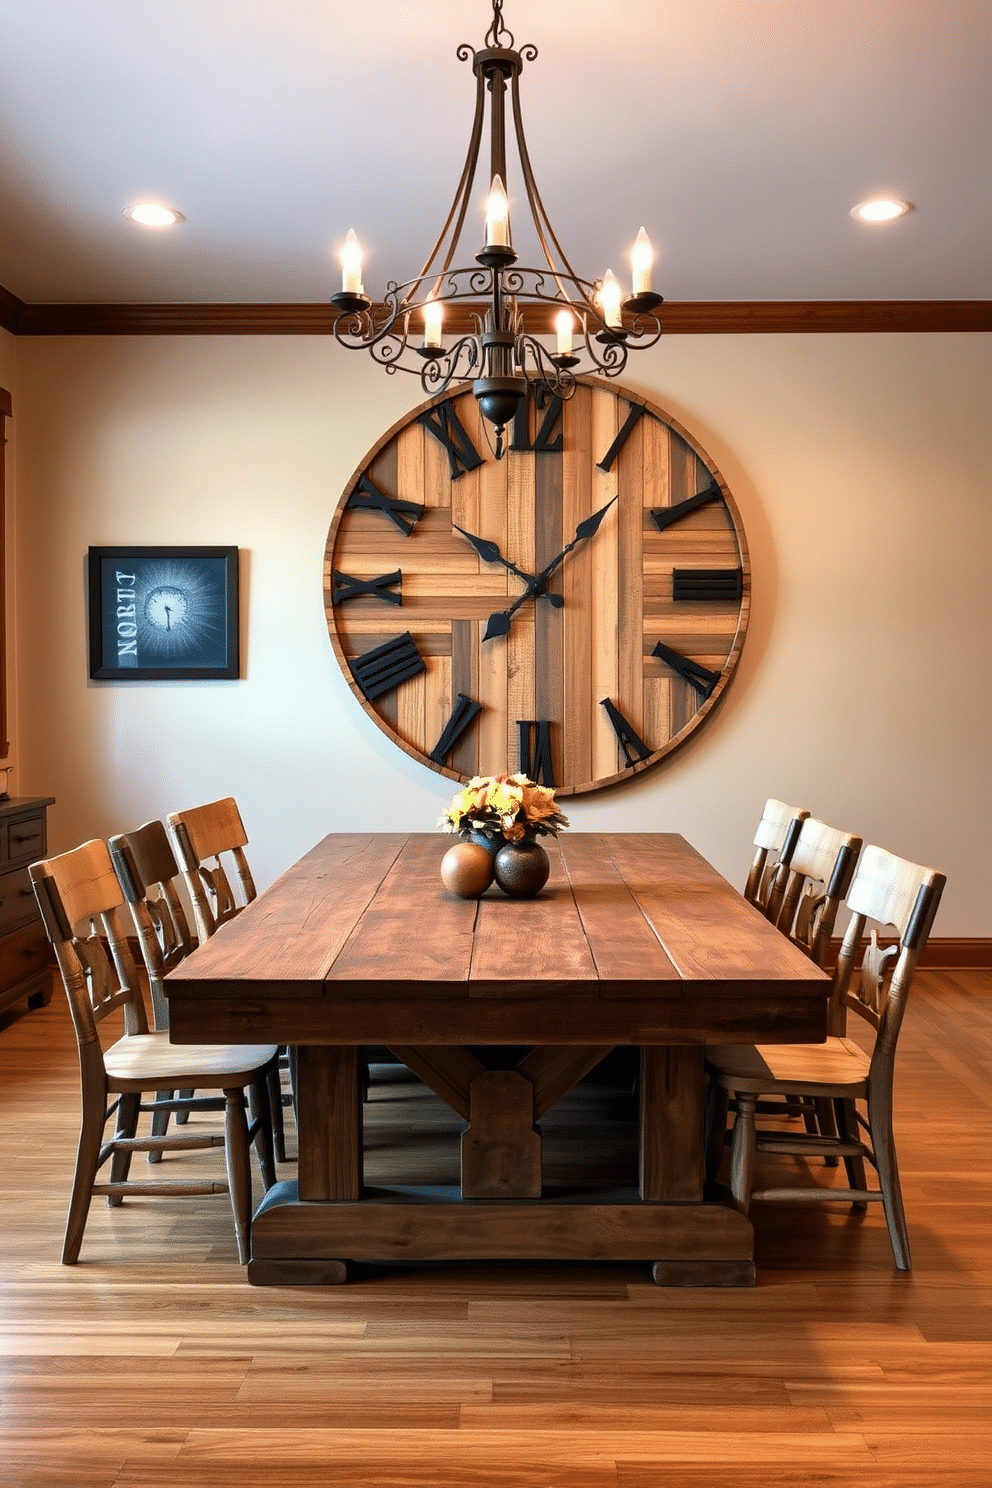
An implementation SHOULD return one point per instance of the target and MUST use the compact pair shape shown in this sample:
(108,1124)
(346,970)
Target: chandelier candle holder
(590,323)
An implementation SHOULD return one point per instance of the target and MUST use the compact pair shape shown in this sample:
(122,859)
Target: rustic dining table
(635,941)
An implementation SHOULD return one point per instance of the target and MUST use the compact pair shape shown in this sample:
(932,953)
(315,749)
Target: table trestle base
(300,1243)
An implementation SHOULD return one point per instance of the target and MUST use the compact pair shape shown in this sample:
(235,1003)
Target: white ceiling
(739,132)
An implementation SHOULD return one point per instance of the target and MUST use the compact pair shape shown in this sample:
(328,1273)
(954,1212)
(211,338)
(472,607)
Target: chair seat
(836,1068)
(148,1061)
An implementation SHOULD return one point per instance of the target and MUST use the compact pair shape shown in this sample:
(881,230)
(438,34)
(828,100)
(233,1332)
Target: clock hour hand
(499,623)
(490,553)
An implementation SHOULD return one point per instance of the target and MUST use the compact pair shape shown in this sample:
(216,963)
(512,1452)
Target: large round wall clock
(574,610)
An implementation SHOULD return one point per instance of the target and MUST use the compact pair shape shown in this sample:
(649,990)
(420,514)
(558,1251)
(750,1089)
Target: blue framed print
(163,614)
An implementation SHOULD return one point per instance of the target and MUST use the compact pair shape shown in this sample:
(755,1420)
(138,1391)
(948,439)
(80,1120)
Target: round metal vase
(522,869)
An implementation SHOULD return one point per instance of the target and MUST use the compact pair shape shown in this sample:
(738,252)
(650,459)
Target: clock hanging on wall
(574,610)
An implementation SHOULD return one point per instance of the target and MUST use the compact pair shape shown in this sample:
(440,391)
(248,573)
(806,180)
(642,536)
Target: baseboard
(951,953)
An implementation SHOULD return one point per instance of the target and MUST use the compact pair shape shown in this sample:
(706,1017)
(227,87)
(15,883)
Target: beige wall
(860,463)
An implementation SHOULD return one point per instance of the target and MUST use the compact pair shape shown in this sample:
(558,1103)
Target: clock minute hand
(586,528)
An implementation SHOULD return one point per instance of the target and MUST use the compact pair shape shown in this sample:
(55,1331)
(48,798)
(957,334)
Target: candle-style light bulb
(433,324)
(642,260)
(610,296)
(497,216)
(351,264)
(564,326)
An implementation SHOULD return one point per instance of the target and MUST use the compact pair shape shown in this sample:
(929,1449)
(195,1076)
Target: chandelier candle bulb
(610,296)
(433,324)
(497,216)
(564,325)
(351,265)
(642,260)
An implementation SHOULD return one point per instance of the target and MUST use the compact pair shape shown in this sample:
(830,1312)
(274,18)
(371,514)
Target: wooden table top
(635,939)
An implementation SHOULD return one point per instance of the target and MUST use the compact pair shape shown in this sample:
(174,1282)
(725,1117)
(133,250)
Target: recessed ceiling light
(880,209)
(152,214)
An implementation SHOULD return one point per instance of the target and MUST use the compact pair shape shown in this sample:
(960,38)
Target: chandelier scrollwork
(591,323)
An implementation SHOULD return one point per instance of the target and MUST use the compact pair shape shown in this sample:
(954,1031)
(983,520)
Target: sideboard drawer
(23,841)
(17,901)
(25,954)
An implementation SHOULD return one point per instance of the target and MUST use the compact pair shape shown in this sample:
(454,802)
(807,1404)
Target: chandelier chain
(498,35)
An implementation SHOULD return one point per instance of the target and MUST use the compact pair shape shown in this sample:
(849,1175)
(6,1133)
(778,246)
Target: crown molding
(680,318)
(11,310)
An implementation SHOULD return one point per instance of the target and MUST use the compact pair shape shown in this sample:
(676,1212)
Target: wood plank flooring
(152,1364)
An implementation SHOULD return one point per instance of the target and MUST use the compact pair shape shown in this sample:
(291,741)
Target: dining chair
(210,844)
(890,892)
(149,877)
(775,841)
(82,905)
(148,874)
(818,877)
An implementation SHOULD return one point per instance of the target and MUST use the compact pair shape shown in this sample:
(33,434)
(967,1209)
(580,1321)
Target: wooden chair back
(775,841)
(81,902)
(819,877)
(891,893)
(148,875)
(210,840)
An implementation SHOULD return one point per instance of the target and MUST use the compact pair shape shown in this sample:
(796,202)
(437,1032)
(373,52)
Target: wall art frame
(163,614)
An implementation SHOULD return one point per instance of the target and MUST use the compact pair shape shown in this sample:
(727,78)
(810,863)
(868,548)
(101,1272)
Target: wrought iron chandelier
(592,323)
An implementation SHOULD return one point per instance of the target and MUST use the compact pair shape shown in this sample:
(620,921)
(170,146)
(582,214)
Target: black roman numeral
(707,583)
(443,423)
(634,748)
(637,410)
(665,516)
(385,667)
(345,586)
(367,497)
(534,750)
(549,439)
(699,677)
(462,714)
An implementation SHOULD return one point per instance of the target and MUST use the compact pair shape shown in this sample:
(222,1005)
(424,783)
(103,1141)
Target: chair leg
(238,1168)
(181,1116)
(128,1110)
(87,1163)
(160,1122)
(827,1126)
(883,1145)
(742,1151)
(847,1126)
(275,1107)
(717,1105)
(259,1103)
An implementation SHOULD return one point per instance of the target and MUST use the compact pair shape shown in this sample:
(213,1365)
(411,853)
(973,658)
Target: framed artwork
(163,614)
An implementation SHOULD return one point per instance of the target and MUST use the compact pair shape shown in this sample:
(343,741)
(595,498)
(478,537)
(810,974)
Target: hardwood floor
(152,1364)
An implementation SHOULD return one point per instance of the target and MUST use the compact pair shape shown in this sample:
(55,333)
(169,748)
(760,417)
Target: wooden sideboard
(24,970)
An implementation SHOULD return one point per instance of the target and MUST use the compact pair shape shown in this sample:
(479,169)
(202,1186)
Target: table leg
(330,1122)
(671,1158)
(501,1148)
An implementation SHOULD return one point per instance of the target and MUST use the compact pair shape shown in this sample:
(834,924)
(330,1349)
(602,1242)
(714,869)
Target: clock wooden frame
(470,655)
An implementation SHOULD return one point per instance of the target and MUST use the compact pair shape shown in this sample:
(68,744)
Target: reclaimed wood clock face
(574,610)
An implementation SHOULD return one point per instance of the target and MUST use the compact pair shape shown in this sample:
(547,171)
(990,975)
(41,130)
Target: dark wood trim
(11,310)
(954,953)
(6,408)
(686,318)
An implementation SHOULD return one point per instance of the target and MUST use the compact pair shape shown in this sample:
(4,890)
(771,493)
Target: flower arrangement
(505,808)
